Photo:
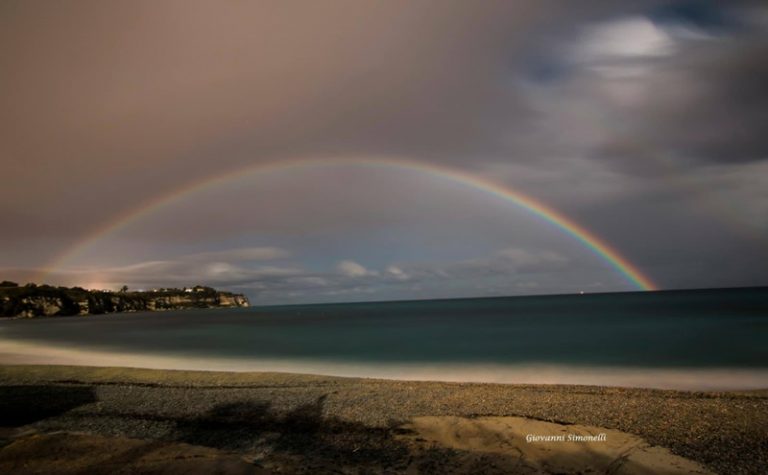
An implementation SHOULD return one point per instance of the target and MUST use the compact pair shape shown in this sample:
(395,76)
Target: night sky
(644,122)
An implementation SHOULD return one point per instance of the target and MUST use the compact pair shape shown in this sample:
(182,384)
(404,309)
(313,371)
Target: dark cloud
(708,103)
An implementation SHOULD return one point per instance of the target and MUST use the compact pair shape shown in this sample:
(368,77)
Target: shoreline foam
(688,379)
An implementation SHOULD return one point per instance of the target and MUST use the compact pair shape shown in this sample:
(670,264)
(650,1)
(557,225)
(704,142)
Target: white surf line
(27,352)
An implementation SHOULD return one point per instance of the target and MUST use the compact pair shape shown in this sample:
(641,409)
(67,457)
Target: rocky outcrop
(36,301)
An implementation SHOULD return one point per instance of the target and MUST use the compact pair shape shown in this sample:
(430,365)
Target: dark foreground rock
(68,453)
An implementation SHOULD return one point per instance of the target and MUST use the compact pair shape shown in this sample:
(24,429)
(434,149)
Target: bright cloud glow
(352,269)
(628,38)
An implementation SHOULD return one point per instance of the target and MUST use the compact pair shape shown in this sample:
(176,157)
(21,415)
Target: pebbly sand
(66,419)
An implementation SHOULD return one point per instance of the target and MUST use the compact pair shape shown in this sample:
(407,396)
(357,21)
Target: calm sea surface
(677,330)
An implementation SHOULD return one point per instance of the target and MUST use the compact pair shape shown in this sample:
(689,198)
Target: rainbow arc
(535,207)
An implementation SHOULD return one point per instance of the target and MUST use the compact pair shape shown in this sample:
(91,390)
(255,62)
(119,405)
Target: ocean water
(703,339)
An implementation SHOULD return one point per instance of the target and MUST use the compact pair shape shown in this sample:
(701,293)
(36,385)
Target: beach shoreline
(724,432)
(672,378)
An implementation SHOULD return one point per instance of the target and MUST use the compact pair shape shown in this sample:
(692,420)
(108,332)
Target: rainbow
(592,242)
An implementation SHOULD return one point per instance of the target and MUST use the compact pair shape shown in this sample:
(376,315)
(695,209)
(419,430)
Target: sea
(688,339)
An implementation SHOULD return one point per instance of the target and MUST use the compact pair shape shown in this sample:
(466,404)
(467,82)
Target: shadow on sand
(21,405)
(302,432)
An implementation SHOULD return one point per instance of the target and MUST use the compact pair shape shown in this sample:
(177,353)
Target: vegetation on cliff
(44,300)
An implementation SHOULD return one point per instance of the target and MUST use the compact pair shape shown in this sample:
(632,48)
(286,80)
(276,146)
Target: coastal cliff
(46,301)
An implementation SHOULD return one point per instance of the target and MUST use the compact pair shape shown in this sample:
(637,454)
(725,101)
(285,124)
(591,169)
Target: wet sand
(159,421)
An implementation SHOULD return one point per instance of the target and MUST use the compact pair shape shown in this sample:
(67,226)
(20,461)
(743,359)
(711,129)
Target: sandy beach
(103,420)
